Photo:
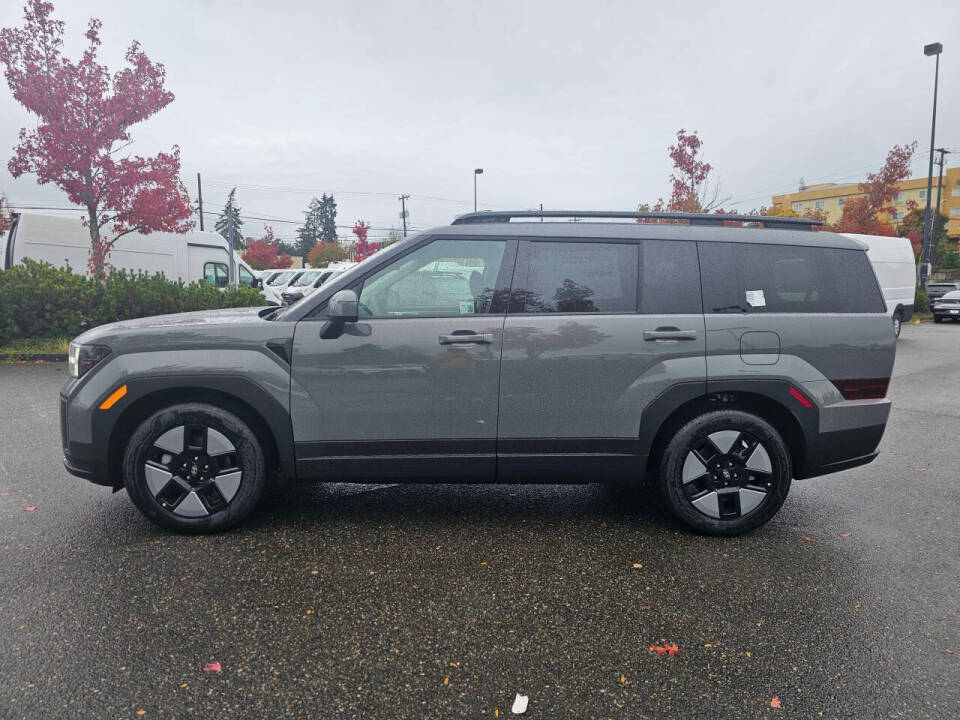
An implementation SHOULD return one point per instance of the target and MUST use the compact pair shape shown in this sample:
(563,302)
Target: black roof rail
(714,219)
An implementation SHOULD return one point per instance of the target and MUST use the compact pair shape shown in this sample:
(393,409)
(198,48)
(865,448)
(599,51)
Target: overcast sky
(568,104)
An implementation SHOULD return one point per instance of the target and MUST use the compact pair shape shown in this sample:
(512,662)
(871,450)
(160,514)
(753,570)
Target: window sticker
(467,308)
(755,298)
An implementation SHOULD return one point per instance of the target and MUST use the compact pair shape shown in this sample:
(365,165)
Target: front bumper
(81,459)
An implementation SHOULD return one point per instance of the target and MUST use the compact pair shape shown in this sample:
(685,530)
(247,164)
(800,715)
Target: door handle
(464,337)
(668,334)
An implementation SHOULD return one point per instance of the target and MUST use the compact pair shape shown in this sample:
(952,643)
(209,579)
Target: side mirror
(257,283)
(343,307)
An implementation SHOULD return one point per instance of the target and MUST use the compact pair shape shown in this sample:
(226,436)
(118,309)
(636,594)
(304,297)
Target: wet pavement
(445,601)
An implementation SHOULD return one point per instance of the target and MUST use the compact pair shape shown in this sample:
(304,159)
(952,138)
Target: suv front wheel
(725,472)
(194,468)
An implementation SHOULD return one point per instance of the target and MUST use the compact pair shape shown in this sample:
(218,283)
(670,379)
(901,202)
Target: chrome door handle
(467,337)
(660,335)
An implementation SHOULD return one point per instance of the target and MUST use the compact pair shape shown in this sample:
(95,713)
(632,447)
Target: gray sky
(568,104)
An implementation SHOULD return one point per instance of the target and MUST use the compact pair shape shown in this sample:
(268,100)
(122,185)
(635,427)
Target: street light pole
(478,171)
(931,49)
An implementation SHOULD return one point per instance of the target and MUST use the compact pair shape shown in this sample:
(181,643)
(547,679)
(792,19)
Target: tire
(897,323)
(194,468)
(725,472)
(938,318)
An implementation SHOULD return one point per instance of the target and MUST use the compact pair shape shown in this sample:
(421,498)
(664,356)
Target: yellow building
(829,197)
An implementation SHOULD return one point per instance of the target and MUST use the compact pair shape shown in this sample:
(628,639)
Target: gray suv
(725,361)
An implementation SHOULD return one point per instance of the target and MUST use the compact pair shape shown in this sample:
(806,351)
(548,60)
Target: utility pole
(932,49)
(200,200)
(940,162)
(403,212)
(541,212)
(233,263)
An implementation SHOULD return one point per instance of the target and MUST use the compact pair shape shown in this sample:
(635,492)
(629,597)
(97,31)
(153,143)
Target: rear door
(596,330)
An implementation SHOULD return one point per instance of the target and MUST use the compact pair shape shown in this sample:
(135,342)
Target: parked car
(724,361)
(292,296)
(935,291)
(947,307)
(300,283)
(896,270)
(63,241)
(275,283)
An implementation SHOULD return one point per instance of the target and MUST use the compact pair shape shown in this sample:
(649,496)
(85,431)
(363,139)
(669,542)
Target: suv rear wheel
(194,468)
(725,472)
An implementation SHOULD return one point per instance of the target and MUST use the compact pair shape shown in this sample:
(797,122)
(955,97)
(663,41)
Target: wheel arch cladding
(775,412)
(268,421)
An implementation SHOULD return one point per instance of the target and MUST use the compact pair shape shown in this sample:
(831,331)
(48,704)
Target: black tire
(228,489)
(757,481)
(938,318)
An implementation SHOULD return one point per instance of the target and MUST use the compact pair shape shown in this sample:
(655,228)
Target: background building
(830,197)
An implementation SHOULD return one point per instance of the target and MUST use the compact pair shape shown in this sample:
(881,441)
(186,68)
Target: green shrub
(921,303)
(39,300)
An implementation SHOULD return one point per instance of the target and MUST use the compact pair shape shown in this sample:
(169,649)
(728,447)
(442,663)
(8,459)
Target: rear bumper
(848,435)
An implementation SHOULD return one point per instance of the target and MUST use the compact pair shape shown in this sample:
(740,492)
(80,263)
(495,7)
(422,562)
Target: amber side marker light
(114,398)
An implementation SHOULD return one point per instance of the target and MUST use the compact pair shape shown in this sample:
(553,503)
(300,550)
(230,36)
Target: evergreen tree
(222,226)
(309,234)
(328,219)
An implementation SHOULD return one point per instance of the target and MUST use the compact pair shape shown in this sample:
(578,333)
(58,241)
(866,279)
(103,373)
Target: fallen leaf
(950,652)
(212,667)
(314,572)
(454,664)
(623,678)
(603,524)
(775,703)
(496,712)
(141,711)
(807,538)
(645,607)
(657,649)
(309,611)
(748,654)
(671,649)
(637,566)
(708,644)
(183,685)
(30,508)
(446,681)
(846,534)
(4,494)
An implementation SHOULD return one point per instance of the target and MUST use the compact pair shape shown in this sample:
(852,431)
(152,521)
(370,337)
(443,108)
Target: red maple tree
(865,214)
(363,249)
(262,254)
(84,117)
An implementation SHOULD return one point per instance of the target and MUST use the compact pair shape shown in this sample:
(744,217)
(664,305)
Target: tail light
(863,388)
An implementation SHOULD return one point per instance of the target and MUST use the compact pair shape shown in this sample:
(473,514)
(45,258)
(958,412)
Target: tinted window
(245,277)
(669,278)
(445,277)
(740,277)
(574,277)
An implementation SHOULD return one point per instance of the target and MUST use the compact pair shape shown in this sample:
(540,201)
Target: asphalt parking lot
(445,601)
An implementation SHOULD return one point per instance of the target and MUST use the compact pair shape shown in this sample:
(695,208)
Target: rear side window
(669,278)
(746,277)
(576,277)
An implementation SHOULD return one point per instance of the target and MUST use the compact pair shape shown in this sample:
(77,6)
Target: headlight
(83,357)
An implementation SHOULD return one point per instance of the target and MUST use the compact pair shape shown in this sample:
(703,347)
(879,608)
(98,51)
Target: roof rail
(714,219)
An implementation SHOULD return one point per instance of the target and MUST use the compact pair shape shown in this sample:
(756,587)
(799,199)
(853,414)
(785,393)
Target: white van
(64,241)
(896,270)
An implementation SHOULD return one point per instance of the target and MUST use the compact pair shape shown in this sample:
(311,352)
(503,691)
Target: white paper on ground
(756,298)
(520,704)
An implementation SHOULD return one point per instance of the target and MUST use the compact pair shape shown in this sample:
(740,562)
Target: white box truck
(63,241)
(896,270)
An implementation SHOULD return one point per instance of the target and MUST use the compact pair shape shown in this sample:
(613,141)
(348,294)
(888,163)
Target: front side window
(216,274)
(576,277)
(245,277)
(755,278)
(304,279)
(441,279)
(280,278)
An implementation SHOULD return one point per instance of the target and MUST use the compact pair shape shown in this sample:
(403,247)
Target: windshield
(280,278)
(305,279)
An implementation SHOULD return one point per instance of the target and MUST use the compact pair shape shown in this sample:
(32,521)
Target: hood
(229,316)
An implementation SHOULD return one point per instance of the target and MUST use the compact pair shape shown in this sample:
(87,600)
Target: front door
(596,331)
(411,389)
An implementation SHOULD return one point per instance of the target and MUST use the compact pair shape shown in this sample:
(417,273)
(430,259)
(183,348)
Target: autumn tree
(363,248)
(869,214)
(325,253)
(6,217)
(231,215)
(263,253)
(84,115)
